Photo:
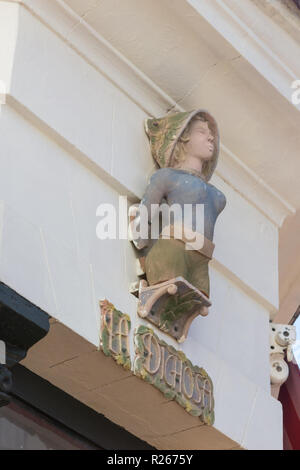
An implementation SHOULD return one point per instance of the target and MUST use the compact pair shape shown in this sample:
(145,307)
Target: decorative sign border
(173,374)
(114,334)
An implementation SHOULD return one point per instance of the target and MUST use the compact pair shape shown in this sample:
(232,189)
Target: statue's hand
(134,228)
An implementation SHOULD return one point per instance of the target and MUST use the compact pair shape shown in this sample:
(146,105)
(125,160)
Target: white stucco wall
(70,140)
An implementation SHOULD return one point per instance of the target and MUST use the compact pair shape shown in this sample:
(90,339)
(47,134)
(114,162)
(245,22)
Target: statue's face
(201,141)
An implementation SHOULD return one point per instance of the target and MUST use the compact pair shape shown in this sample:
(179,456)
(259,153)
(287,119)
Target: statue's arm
(155,191)
(142,215)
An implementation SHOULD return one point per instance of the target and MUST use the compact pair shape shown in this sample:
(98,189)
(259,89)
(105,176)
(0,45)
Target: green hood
(164,133)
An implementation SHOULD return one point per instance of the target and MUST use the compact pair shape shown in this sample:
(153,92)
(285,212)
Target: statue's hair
(179,153)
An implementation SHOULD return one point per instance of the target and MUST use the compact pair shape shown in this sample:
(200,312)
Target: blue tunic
(177,186)
(166,259)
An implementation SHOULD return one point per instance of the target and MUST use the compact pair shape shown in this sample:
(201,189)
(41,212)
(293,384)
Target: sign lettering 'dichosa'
(174,375)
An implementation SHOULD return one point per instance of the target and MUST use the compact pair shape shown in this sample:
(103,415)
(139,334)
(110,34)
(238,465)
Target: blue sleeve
(156,190)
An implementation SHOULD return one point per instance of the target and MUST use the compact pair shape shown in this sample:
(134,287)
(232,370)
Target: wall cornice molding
(244,26)
(256,191)
(100,54)
(285,13)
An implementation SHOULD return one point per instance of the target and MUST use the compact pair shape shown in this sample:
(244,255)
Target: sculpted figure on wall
(185,145)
